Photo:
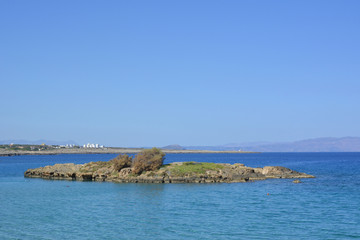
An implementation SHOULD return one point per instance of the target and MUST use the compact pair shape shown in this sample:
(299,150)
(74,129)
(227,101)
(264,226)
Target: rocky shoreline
(178,172)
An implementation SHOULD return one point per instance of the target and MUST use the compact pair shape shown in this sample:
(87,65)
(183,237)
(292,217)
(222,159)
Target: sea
(325,207)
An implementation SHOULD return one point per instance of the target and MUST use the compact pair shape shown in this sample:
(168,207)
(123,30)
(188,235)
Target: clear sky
(152,73)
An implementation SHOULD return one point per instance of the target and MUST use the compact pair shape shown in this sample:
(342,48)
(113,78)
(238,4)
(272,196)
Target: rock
(281,172)
(297,181)
(125,172)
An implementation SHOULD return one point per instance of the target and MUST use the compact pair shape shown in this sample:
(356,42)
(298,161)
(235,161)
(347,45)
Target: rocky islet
(177,172)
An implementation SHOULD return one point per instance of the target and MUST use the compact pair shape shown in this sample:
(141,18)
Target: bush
(148,160)
(121,161)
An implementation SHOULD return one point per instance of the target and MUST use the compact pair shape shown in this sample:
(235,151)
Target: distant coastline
(108,150)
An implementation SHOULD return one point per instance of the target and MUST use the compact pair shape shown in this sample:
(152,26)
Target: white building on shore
(93,145)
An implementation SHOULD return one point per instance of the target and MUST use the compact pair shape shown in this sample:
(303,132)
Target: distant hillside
(227,147)
(35,142)
(329,144)
(346,144)
(173,147)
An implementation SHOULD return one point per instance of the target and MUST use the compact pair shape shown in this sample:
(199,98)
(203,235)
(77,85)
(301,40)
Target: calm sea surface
(327,207)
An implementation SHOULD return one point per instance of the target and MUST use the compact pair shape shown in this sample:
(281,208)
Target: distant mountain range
(329,144)
(37,142)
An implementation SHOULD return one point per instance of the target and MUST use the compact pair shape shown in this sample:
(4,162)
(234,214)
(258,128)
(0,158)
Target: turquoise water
(327,207)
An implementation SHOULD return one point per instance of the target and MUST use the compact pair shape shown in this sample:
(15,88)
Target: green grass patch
(164,165)
(94,166)
(194,167)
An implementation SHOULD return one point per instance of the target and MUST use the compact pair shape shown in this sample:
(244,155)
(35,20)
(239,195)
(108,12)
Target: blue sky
(152,73)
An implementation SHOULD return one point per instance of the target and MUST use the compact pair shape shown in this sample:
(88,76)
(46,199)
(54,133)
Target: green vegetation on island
(195,167)
(152,160)
(146,160)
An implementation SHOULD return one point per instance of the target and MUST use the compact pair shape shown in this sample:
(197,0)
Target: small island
(147,167)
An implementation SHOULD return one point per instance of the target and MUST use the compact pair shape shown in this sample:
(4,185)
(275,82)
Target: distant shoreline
(4,153)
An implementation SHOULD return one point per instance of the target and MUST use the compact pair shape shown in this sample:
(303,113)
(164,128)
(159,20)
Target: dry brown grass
(121,161)
(148,160)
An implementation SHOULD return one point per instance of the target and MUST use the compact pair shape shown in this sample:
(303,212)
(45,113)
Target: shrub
(148,160)
(121,161)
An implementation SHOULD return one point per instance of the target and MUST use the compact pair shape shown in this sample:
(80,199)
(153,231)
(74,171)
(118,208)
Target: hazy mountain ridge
(345,144)
(326,144)
(36,142)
